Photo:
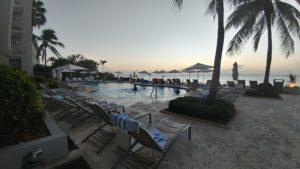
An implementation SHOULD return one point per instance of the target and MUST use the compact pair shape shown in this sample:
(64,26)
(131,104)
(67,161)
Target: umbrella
(189,71)
(235,73)
(144,72)
(53,74)
(118,73)
(200,68)
(69,68)
(174,71)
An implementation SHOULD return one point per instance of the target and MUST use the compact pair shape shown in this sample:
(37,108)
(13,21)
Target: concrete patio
(265,133)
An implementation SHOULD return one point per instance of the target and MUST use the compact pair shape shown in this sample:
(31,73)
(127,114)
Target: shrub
(20,101)
(52,84)
(219,111)
(263,91)
(107,76)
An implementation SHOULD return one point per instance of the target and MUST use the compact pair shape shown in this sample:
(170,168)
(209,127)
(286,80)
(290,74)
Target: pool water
(125,91)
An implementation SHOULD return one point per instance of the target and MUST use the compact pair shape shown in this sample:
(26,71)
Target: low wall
(54,147)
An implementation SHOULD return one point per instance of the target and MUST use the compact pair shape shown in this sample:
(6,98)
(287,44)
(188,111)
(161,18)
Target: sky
(135,35)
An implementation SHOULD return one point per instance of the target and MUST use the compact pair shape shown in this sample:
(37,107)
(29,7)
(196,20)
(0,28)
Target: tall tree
(48,41)
(38,13)
(215,8)
(253,17)
(102,63)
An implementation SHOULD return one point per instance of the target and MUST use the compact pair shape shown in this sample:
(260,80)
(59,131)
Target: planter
(294,90)
(54,147)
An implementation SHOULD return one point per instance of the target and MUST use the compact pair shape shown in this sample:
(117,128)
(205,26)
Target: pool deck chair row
(171,130)
(101,134)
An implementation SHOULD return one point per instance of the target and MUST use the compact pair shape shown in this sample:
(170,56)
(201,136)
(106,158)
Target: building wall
(18,44)
(6,7)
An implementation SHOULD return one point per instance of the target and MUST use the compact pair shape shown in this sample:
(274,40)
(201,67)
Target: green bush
(20,101)
(219,111)
(107,76)
(263,91)
(52,84)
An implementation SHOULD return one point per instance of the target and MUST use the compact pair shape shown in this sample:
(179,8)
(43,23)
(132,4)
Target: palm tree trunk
(270,46)
(213,90)
(45,56)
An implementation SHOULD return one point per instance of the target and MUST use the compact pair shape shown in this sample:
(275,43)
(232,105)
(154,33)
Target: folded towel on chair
(157,136)
(123,122)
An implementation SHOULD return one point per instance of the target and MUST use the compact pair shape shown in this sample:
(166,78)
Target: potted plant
(292,88)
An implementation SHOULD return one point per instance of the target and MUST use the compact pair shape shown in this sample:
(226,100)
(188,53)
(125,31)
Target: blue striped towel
(158,137)
(123,122)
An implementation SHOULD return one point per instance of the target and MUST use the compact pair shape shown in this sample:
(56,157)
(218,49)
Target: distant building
(16,45)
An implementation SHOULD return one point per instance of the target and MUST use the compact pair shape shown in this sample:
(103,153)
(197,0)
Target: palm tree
(216,8)
(38,13)
(102,62)
(253,17)
(49,41)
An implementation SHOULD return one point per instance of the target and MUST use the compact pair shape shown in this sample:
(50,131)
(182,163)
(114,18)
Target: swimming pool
(125,91)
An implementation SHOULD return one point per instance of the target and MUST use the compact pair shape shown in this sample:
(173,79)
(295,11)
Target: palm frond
(246,31)
(290,16)
(212,8)
(243,13)
(260,28)
(39,51)
(178,3)
(237,2)
(52,48)
(287,42)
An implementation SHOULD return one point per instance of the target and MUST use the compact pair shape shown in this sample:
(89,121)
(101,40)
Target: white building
(16,34)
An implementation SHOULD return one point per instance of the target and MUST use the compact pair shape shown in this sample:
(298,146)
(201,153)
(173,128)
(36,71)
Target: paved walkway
(264,134)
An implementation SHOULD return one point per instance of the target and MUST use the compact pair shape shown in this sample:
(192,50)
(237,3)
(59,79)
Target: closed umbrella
(235,72)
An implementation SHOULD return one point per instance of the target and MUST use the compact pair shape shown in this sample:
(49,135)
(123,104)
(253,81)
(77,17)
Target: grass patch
(220,111)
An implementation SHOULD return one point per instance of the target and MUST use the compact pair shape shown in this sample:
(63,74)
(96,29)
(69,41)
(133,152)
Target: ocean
(207,76)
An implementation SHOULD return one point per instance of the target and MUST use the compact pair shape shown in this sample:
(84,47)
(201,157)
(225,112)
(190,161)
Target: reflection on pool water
(125,91)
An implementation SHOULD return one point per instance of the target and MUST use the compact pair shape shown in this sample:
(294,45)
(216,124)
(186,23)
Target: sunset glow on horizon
(154,35)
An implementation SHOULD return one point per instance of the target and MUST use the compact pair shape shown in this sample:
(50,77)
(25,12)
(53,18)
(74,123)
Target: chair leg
(124,156)
(95,131)
(150,118)
(190,133)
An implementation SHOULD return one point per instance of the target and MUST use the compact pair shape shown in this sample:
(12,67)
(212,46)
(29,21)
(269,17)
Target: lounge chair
(230,84)
(278,85)
(170,132)
(155,81)
(67,79)
(178,82)
(253,84)
(169,81)
(100,133)
(242,82)
(161,81)
(62,92)
(188,82)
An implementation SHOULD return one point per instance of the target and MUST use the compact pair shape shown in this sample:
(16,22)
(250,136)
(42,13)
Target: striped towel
(158,137)
(123,122)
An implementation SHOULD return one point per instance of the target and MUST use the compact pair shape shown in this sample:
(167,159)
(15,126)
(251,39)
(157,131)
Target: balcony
(18,10)
(16,23)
